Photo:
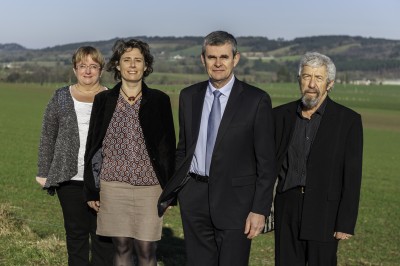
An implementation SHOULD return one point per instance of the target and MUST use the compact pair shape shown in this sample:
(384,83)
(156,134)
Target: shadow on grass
(171,249)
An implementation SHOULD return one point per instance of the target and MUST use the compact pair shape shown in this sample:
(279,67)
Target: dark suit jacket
(242,171)
(155,116)
(333,169)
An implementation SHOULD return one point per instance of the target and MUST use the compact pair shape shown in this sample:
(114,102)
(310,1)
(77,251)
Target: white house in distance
(391,82)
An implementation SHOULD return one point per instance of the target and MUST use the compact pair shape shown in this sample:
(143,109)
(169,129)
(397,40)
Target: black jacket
(334,169)
(155,116)
(242,172)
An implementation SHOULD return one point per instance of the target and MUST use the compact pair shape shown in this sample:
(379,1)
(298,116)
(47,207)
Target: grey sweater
(59,141)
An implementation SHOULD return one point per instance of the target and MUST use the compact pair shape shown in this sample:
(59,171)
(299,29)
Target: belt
(297,189)
(302,189)
(199,178)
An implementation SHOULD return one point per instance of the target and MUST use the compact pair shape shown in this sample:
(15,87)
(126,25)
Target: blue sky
(44,23)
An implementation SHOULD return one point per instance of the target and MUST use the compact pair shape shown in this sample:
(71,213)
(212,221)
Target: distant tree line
(254,70)
(277,61)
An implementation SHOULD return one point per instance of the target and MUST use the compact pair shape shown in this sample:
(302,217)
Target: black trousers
(290,250)
(80,225)
(205,244)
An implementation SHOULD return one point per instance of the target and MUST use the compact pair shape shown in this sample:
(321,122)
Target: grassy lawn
(31,229)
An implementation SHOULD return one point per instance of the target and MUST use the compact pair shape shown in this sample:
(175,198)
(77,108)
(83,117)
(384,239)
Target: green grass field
(31,228)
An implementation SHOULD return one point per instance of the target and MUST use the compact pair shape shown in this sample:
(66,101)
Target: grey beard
(309,103)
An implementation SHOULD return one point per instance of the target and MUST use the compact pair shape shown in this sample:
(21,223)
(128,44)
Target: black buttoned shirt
(294,170)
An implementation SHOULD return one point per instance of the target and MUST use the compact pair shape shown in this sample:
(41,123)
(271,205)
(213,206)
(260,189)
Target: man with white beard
(319,146)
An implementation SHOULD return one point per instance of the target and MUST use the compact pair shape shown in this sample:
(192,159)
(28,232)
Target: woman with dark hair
(61,162)
(129,155)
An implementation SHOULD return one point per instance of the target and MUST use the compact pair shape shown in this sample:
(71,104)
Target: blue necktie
(212,129)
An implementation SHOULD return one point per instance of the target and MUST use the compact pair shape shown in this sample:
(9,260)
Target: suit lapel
(290,118)
(145,121)
(326,126)
(111,103)
(230,110)
(197,109)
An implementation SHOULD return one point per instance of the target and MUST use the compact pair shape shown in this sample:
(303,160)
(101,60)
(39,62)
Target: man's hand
(94,204)
(254,225)
(341,236)
(41,180)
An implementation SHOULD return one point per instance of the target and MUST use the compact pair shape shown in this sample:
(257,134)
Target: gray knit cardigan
(59,142)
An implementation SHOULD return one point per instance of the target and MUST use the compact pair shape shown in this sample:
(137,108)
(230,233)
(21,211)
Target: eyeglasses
(91,67)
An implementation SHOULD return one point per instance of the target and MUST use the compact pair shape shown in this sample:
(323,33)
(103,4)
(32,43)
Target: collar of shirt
(225,90)
(320,111)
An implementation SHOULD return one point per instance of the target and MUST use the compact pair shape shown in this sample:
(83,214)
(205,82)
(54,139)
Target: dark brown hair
(120,47)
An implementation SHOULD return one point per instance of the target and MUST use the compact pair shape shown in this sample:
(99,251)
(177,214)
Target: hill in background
(263,60)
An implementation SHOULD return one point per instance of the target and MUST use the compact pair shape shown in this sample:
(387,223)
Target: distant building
(361,82)
(178,57)
(391,82)
(257,55)
(11,65)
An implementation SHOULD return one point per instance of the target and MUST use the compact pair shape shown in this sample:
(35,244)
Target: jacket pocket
(244,180)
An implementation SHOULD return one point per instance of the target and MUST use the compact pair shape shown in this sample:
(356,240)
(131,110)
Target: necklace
(131,98)
(90,91)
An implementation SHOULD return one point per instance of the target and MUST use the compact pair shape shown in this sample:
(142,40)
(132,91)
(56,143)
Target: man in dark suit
(225,163)
(319,147)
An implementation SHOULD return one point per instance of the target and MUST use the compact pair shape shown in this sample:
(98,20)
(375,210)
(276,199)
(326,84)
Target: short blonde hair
(84,51)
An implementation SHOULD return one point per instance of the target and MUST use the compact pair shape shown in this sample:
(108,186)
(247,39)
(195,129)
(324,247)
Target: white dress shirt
(198,165)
